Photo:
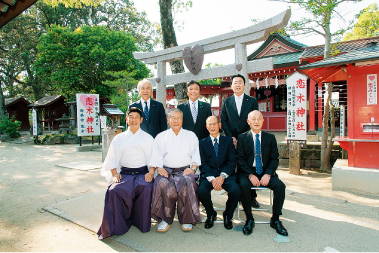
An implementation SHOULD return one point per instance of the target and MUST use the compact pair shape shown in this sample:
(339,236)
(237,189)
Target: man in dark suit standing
(195,112)
(154,115)
(257,161)
(234,111)
(217,154)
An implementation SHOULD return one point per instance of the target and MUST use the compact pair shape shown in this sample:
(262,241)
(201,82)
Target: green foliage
(10,126)
(367,24)
(77,61)
(214,81)
(73,3)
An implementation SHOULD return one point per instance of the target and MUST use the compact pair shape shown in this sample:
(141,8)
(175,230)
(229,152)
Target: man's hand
(150,175)
(254,180)
(162,172)
(116,177)
(188,171)
(217,185)
(234,142)
(265,179)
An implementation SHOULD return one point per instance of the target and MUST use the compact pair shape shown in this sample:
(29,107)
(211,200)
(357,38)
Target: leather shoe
(254,203)
(210,220)
(228,224)
(278,226)
(248,228)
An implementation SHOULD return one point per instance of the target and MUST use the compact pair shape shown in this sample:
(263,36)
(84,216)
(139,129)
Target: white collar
(239,97)
(143,101)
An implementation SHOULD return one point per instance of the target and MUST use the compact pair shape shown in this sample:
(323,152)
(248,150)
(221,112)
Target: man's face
(134,120)
(213,126)
(193,92)
(255,121)
(175,121)
(238,85)
(145,91)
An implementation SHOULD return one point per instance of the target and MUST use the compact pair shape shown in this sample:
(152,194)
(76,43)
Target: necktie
(194,113)
(146,112)
(258,159)
(216,147)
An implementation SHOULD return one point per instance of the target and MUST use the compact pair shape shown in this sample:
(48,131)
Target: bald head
(213,125)
(145,89)
(255,121)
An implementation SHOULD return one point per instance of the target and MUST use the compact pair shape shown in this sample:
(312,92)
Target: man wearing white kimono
(176,157)
(128,198)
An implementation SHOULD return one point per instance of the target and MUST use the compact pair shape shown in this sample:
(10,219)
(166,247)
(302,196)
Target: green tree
(214,81)
(77,61)
(367,24)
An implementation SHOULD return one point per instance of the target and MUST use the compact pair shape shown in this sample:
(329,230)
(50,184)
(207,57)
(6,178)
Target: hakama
(127,203)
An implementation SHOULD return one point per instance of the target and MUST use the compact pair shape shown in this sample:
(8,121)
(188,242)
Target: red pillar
(319,105)
(312,112)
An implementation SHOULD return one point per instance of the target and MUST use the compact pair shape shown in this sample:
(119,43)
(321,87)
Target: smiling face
(175,120)
(145,91)
(213,126)
(134,120)
(238,85)
(255,121)
(193,92)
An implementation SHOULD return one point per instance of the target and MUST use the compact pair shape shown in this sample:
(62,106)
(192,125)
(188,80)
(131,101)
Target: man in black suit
(217,154)
(154,115)
(195,112)
(234,111)
(257,161)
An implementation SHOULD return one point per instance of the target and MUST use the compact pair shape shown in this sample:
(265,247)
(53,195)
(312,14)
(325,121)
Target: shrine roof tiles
(368,53)
(9,9)
(342,47)
(9,101)
(45,101)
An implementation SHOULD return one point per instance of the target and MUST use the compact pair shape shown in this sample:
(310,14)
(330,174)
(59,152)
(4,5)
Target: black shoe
(228,224)
(248,228)
(254,203)
(210,220)
(278,226)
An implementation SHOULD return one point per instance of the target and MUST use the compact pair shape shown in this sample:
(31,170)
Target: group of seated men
(192,142)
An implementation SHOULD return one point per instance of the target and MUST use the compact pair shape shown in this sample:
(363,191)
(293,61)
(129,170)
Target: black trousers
(275,184)
(230,186)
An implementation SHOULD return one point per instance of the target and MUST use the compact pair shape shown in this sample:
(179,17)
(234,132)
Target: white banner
(35,127)
(297,107)
(342,120)
(372,88)
(88,107)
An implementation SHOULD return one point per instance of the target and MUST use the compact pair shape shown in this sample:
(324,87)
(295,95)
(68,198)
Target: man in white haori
(128,198)
(176,157)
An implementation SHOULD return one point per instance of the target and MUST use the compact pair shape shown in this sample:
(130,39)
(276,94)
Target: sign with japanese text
(297,108)
(103,121)
(88,107)
(35,127)
(372,89)
(342,120)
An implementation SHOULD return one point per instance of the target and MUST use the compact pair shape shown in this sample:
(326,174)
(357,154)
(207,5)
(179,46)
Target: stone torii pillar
(193,56)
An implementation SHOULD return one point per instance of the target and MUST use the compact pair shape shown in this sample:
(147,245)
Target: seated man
(218,162)
(176,157)
(257,160)
(128,198)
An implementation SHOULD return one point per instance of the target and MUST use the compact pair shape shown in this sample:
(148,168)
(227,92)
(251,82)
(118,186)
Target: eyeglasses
(176,118)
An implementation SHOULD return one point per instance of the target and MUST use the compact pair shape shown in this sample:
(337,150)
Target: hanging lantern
(257,83)
(276,82)
(266,82)
(251,82)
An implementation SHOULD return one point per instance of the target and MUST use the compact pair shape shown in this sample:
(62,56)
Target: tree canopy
(367,24)
(77,61)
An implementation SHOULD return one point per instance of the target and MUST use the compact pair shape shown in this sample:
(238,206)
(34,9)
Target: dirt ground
(30,181)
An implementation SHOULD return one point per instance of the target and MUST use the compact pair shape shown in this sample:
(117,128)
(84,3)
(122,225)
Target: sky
(208,18)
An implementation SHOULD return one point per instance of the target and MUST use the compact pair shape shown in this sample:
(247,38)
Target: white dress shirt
(239,100)
(260,141)
(210,178)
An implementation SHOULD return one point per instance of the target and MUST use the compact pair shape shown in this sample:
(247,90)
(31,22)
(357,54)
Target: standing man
(176,157)
(234,111)
(257,161)
(195,112)
(128,198)
(218,162)
(154,119)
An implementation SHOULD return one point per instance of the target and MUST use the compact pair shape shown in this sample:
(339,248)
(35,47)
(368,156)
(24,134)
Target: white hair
(140,83)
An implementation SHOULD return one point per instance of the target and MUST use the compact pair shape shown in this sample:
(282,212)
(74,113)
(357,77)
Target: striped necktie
(258,159)
(194,113)
(215,145)
(146,112)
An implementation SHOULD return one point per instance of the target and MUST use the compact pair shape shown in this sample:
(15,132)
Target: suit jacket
(157,118)
(232,124)
(204,111)
(245,154)
(210,165)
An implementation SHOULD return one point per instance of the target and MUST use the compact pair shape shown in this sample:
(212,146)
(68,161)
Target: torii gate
(193,55)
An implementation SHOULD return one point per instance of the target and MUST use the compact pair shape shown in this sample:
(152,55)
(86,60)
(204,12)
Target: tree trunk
(169,40)
(326,145)
(3,109)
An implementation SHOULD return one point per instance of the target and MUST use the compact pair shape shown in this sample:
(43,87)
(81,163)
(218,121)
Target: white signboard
(35,127)
(103,122)
(88,107)
(342,120)
(297,108)
(372,89)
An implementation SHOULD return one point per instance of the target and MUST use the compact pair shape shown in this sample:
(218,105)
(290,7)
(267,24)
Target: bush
(10,126)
